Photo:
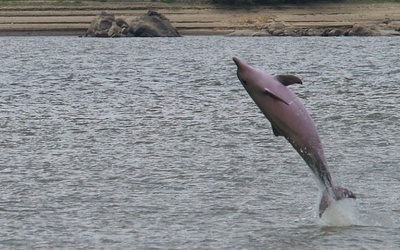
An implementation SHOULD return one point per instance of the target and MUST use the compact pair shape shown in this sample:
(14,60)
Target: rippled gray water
(154,143)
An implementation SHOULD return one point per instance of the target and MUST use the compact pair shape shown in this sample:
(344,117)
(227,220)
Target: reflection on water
(154,143)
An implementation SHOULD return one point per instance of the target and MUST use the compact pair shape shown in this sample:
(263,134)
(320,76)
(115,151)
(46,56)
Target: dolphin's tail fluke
(336,193)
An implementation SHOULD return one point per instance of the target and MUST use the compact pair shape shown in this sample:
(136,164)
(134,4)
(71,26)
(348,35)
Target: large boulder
(277,28)
(363,30)
(153,24)
(314,32)
(106,25)
(334,31)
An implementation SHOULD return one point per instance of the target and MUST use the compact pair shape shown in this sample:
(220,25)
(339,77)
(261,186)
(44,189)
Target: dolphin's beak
(238,62)
(241,66)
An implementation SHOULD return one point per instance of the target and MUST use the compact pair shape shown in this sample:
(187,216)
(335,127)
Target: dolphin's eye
(244,82)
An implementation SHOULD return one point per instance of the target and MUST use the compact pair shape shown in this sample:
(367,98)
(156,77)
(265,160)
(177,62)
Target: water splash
(346,212)
(341,213)
(377,219)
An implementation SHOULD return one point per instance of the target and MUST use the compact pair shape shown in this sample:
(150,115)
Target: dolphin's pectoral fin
(276,131)
(275,96)
(288,79)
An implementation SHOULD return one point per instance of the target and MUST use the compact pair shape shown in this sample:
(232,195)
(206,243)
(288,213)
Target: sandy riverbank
(73,18)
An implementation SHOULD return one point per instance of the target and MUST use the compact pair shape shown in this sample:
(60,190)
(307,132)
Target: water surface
(154,143)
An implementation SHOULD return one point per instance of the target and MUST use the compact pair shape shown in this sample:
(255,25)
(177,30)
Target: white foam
(341,213)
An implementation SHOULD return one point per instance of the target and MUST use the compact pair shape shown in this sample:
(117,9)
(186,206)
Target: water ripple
(153,143)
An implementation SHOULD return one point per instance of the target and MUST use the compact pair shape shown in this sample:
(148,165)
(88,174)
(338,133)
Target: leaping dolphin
(290,119)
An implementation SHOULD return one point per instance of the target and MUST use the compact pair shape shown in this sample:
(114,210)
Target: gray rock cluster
(151,24)
(280,29)
(387,27)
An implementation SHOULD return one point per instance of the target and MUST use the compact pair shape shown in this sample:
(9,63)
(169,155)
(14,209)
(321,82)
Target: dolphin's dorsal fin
(275,96)
(288,79)
(276,131)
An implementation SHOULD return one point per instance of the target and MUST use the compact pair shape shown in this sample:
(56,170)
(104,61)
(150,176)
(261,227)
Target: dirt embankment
(73,18)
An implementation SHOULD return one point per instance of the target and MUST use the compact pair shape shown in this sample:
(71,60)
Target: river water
(154,143)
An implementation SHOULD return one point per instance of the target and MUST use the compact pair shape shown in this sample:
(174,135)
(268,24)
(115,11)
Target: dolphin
(290,119)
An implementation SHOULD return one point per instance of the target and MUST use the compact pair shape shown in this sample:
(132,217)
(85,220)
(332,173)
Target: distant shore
(73,18)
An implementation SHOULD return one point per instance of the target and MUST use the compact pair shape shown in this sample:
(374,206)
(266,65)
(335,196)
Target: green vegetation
(272,2)
(275,2)
(268,2)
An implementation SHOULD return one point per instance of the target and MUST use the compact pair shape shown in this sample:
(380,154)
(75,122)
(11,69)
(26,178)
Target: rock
(114,30)
(276,28)
(313,32)
(387,21)
(336,32)
(290,31)
(394,25)
(283,29)
(249,33)
(277,32)
(389,33)
(106,25)
(262,33)
(100,25)
(363,30)
(153,24)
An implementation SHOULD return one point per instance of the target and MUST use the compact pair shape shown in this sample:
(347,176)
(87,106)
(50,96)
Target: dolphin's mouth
(241,80)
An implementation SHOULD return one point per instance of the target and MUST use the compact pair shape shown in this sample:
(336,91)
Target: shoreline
(73,19)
